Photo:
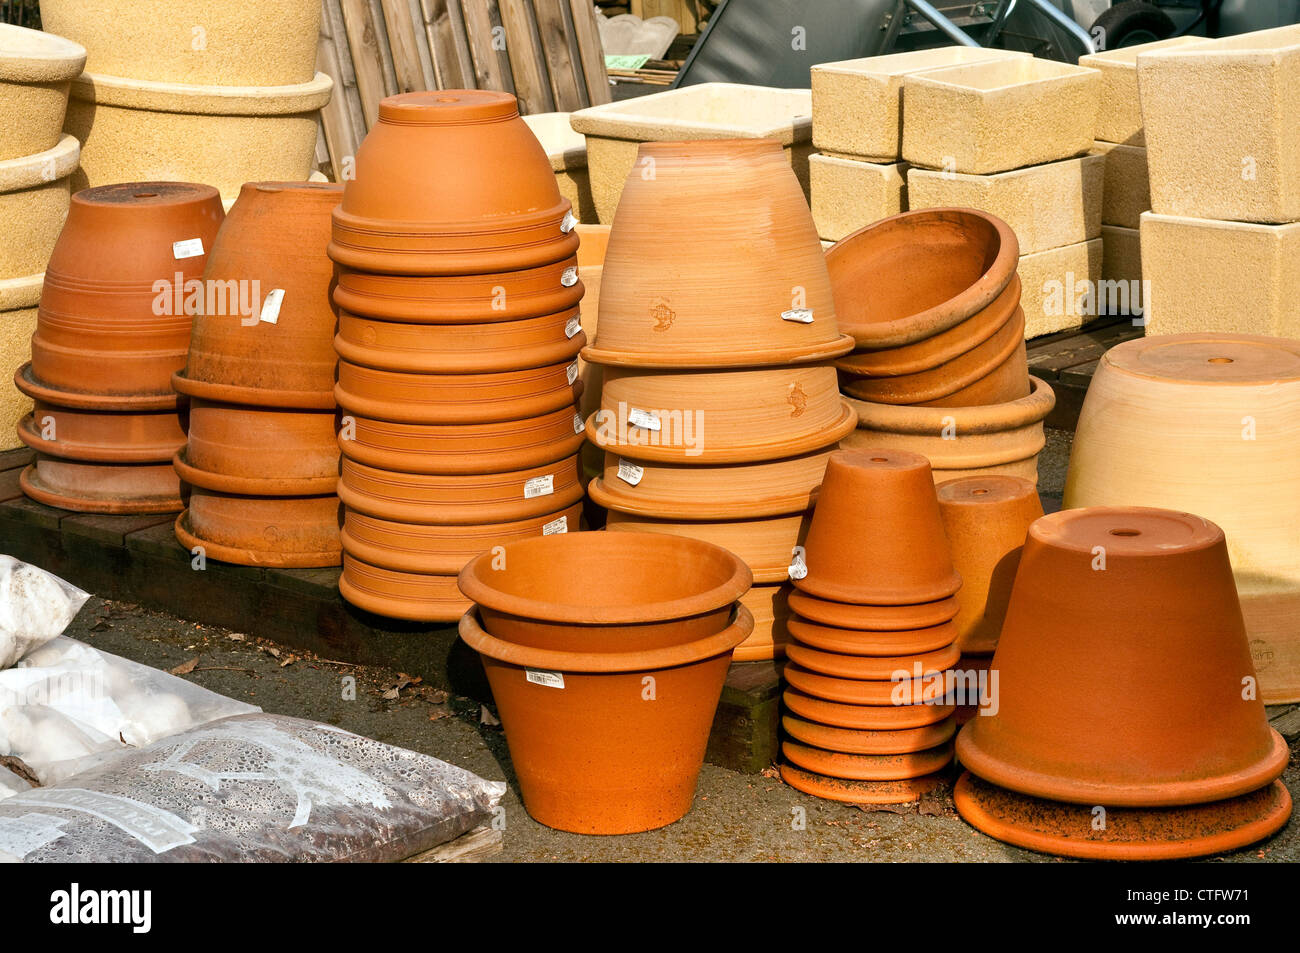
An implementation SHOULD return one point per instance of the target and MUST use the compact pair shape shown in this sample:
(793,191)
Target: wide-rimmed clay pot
(961,441)
(264,328)
(876,536)
(655,592)
(91,487)
(846,615)
(463,448)
(866,642)
(753,288)
(34,194)
(285,531)
(769,605)
(986,520)
(103,436)
(871,667)
(867,692)
(1124,670)
(112,325)
(858,741)
(867,767)
(1008,381)
(859,792)
(593,753)
(864,717)
(36,70)
(401,594)
(417,207)
(912,276)
(456,398)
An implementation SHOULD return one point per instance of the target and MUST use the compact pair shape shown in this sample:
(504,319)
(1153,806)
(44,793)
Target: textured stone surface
(1128,190)
(16,329)
(1052,287)
(848,194)
(1047,206)
(1119,118)
(36,70)
(34,195)
(567,150)
(1122,253)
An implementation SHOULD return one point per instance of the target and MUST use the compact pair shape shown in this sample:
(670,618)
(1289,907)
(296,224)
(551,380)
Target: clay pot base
(877,644)
(868,767)
(1051,827)
(26,382)
(30,482)
(880,741)
(859,792)
(872,668)
(414,597)
(864,717)
(253,557)
(876,619)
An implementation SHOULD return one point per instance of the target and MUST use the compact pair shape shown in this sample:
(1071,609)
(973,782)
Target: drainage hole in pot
(980,492)
(1220,360)
(880,459)
(146,195)
(1125,532)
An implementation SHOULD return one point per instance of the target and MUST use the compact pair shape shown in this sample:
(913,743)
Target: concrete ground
(735,817)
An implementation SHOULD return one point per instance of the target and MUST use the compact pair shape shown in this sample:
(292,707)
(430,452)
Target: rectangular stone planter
(858,104)
(1237,156)
(1047,206)
(998,115)
(1052,287)
(16,329)
(707,111)
(848,194)
(1206,275)
(567,150)
(1119,118)
(1128,190)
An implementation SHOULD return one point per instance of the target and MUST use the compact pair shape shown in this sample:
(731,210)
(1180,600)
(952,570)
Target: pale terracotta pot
(869,693)
(870,642)
(871,667)
(36,70)
(858,741)
(769,605)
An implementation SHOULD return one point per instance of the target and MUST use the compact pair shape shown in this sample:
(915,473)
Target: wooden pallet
(1068,360)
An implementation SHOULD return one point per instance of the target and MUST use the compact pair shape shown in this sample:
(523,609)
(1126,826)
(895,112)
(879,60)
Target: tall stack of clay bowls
(458,337)
(111,329)
(217,92)
(719,406)
(261,460)
(1126,725)
(932,300)
(867,709)
(36,165)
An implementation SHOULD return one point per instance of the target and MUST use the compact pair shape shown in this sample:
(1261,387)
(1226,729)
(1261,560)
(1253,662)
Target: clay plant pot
(859,792)
(961,441)
(912,276)
(591,755)
(865,717)
(34,196)
(865,642)
(857,741)
(769,605)
(904,693)
(36,70)
(867,767)
(90,487)
(106,334)
(753,289)
(719,416)
(872,667)
(655,593)
(456,398)
(282,531)
(103,436)
(396,594)
(1100,704)
(874,618)
(417,207)
(876,536)
(986,520)
(263,332)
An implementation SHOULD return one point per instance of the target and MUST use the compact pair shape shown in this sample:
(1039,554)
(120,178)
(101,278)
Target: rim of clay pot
(864,717)
(443,604)
(868,767)
(867,740)
(208,100)
(251,486)
(855,691)
(732,357)
(946,314)
(931,421)
(29,481)
(36,390)
(29,434)
(876,644)
(252,557)
(732,578)
(847,615)
(253,396)
(33,56)
(22,292)
(472,632)
(871,668)
(57,162)
(414,250)
(859,792)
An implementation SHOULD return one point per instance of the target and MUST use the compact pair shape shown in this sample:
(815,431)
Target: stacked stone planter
(567,150)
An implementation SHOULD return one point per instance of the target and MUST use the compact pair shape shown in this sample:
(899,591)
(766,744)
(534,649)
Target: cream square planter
(1122,254)
(857,105)
(34,195)
(848,194)
(1058,287)
(1207,275)
(1047,206)
(998,115)
(567,150)
(707,111)
(1236,155)
(1119,118)
(16,328)
(1128,189)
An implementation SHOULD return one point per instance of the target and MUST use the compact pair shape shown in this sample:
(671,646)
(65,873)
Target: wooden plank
(1286,719)
(346,92)
(9,488)
(404,45)
(554,28)
(591,53)
(1079,349)
(480,843)
(22,510)
(336,124)
(16,459)
(488,45)
(527,61)
(367,56)
(112,530)
(444,28)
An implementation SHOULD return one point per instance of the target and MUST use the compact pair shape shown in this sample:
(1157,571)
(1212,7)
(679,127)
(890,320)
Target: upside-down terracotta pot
(860,717)
(769,605)
(858,741)
(1008,381)
(282,531)
(1124,668)
(418,207)
(986,520)
(400,594)
(103,436)
(868,767)
(36,70)
(872,667)
(593,752)
(859,792)
(94,487)
(868,642)
(876,619)
(882,693)
(876,536)
(263,330)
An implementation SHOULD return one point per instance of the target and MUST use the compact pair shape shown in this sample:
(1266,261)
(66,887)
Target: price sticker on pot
(577,423)
(798,315)
(570,277)
(560,525)
(539,486)
(798,567)
(549,679)
(630,472)
(190,248)
(271,306)
(573,326)
(643,419)
(572,372)
(568,223)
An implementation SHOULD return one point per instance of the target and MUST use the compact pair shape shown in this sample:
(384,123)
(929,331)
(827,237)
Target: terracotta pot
(864,717)
(753,288)
(877,619)
(859,792)
(656,592)
(766,543)
(88,487)
(1098,703)
(857,741)
(961,441)
(283,531)
(34,194)
(463,448)
(719,416)
(769,605)
(395,594)
(871,667)
(35,71)
(103,436)
(912,276)
(878,509)
(416,207)
(865,692)
(883,645)
(594,757)
(456,398)
(100,332)
(986,520)
(1008,381)
(591,261)
(867,767)
(243,349)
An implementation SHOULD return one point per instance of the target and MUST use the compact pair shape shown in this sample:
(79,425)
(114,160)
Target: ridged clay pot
(865,642)
(593,757)
(398,594)
(857,741)
(872,667)
(904,693)
(769,605)
(986,520)
(859,792)
(103,436)
(867,767)
(417,207)
(864,717)
(876,536)
(91,487)
(732,301)
(1124,685)
(282,531)
(36,70)
(846,615)
(34,194)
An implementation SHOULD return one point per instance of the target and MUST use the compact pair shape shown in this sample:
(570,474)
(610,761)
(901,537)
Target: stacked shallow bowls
(868,713)
(719,406)
(458,337)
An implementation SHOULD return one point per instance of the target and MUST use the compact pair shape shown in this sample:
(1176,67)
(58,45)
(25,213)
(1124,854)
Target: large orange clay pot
(901,642)
(89,487)
(765,543)
(270,341)
(283,531)
(103,436)
(875,618)
(399,594)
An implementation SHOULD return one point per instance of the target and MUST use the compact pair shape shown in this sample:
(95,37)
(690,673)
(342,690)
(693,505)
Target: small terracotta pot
(857,741)
(859,792)
(877,509)
(769,605)
(117,488)
(103,436)
(865,642)
(283,531)
(395,594)
(766,544)
(872,667)
(868,767)
(912,276)
(594,756)
(1121,682)
(986,520)
(864,717)
(866,692)
(877,619)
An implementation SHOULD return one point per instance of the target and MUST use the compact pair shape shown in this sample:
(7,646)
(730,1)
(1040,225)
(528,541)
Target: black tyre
(1131,23)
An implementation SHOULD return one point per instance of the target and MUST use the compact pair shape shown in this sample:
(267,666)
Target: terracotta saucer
(872,668)
(859,792)
(904,642)
(861,691)
(879,741)
(863,717)
(102,488)
(846,615)
(868,767)
(416,597)
(26,382)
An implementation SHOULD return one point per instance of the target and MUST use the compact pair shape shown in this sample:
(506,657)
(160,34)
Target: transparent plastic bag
(10,783)
(35,606)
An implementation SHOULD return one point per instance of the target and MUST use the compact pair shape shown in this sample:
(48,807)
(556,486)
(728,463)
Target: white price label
(560,525)
(568,223)
(573,326)
(630,472)
(570,277)
(539,486)
(549,679)
(577,423)
(798,315)
(798,568)
(572,373)
(643,419)
(271,306)
(190,248)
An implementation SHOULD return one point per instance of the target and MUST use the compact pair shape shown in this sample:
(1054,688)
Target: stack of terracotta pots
(719,406)
(111,329)
(1128,723)
(262,456)
(932,299)
(867,708)
(458,336)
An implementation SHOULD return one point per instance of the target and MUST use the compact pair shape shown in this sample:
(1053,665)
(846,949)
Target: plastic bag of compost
(35,606)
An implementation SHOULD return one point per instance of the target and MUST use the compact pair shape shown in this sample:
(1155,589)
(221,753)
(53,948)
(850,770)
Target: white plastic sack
(35,606)
(10,783)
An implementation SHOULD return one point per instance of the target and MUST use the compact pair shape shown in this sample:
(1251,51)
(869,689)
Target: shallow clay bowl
(865,642)
(857,741)
(864,717)
(872,668)
(115,488)
(846,615)
(855,691)
(287,532)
